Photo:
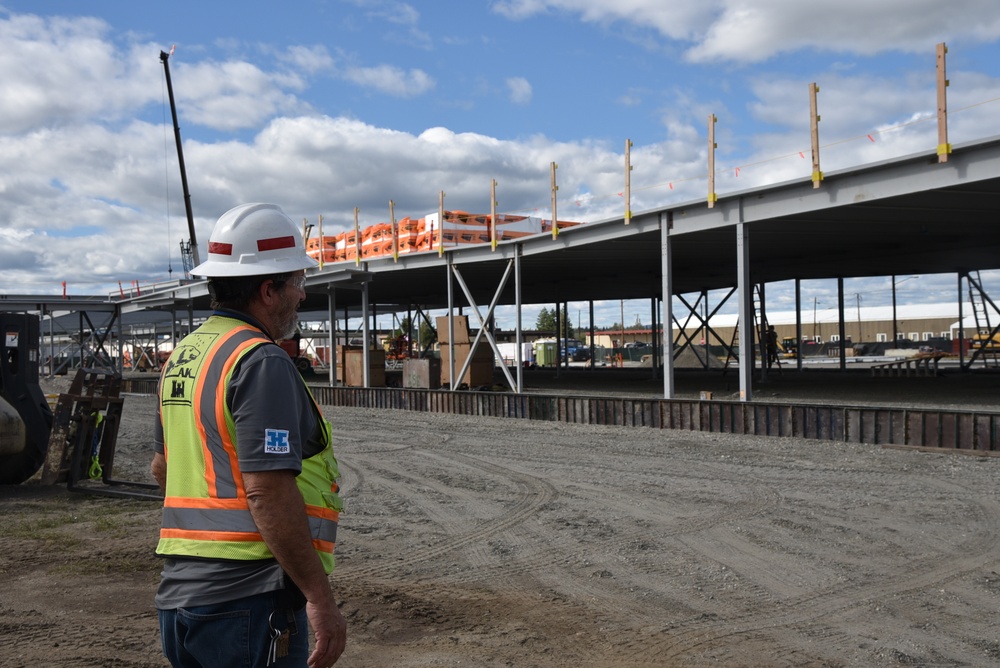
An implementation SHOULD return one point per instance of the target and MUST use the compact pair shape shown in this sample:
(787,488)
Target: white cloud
(394,13)
(233,95)
(519,89)
(676,20)
(401,13)
(49,68)
(752,31)
(391,80)
(744,31)
(864,118)
(308,58)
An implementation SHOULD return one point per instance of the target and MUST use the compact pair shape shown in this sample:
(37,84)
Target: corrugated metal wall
(976,432)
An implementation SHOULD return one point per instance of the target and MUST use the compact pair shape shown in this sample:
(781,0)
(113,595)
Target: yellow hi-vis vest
(205,511)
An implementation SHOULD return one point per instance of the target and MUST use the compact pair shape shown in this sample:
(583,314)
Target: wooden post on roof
(306,229)
(712,197)
(357,239)
(440,223)
(555,216)
(944,148)
(395,231)
(493,214)
(628,181)
(817,175)
(322,249)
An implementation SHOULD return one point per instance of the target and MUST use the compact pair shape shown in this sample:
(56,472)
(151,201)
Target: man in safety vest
(244,457)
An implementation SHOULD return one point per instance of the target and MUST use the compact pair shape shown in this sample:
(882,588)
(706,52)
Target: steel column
(667,290)
(798,324)
(961,326)
(451,321)
(842,328)
(745,288)
(331,359)
(365,334)
(518,334)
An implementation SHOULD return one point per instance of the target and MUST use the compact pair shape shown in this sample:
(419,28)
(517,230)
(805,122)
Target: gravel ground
(490,542)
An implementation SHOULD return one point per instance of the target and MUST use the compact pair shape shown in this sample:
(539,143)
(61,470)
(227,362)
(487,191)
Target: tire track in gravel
(445,502)
(352,479)
(556,559)
(641,586)
(89,643)
(799,615)
(552,570)
(532,493)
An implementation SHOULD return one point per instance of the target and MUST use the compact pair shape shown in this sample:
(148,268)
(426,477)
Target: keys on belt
(280,638)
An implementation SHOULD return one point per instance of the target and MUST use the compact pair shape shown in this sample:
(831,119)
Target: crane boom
(164,57)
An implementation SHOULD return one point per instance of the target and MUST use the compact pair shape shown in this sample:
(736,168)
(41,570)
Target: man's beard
(286,325)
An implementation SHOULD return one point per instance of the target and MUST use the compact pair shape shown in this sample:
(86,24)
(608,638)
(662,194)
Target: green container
(545,353)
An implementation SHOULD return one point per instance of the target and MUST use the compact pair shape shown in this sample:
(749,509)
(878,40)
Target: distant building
(913,322)
(869,324)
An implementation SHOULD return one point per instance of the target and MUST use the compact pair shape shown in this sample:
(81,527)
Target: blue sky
(323,106)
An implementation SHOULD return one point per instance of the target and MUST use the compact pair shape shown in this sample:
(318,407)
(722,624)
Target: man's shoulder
(266,360)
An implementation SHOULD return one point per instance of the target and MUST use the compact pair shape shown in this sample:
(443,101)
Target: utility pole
(621,307)
(814,319)
(857,296)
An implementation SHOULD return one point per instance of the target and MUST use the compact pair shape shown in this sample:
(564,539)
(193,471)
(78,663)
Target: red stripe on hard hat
(220,248)
(276,243)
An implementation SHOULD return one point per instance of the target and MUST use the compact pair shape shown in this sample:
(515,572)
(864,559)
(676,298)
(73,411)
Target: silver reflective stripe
(214,519)
(208,519)
(323,529)
(212,383)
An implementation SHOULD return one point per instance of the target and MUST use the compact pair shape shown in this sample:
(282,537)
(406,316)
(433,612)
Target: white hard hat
(254,240)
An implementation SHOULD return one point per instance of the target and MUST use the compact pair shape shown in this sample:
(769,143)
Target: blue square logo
(276,442)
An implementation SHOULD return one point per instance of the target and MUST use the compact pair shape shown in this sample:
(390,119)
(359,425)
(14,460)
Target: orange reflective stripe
(190,534)
(323,545)
(209,504)
(323,513)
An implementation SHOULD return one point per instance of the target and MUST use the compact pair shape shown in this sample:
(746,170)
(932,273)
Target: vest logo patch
(276,442)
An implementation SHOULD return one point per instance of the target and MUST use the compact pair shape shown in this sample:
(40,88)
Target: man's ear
(267,293)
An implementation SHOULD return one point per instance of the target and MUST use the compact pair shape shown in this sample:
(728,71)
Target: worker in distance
(244,456)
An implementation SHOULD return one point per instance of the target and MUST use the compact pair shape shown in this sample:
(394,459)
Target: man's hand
(330,629)
(280,514)
(158,468)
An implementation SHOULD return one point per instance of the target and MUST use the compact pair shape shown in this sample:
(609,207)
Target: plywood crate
(480,371)
(354,368)
(461,329)
(422,373)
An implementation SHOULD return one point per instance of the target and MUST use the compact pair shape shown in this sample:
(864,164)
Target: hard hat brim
(215,269)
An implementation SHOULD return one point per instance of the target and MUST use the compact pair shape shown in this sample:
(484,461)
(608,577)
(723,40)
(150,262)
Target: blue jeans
(230,635)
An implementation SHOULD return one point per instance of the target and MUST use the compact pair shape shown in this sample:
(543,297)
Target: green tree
(406,328)
(567,326)
(546,322)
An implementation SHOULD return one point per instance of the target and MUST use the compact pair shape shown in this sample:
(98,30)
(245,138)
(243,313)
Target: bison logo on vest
(179,374)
